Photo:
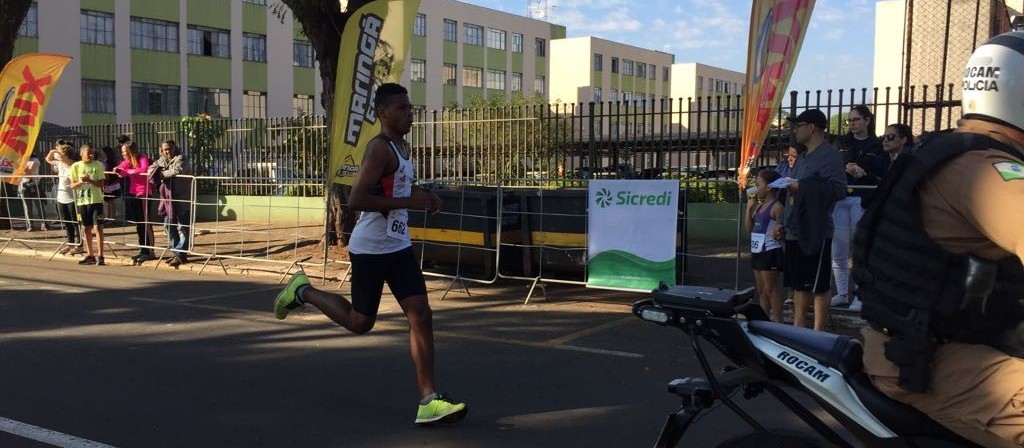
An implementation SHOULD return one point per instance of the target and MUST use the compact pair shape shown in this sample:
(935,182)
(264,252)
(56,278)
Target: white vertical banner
(632,233)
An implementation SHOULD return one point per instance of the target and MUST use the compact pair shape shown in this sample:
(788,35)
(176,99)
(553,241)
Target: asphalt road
(121,356)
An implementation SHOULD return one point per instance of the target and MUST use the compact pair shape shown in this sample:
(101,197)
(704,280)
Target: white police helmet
(993,82)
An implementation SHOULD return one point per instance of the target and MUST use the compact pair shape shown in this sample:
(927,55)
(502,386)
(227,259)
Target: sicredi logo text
(604,198)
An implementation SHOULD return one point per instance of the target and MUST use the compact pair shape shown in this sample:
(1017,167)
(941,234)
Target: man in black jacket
(808,263)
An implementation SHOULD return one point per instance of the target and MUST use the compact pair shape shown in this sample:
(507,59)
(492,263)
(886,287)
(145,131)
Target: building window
(418,70)
(302,105)
(726,88)
(474,35)
(419,27)
(97,97)
(652,72)
(597,94)
(641,70)
(496,39)
(254,105)
(496,79)
(302,54)
(541,47)
(450,33)
(155,99)
(97,27)
(598,62)
(517,82)
(517,43)
(30,27)
(614,95)
(615,65)
(209,42)
(254,47)
(700,83)
(627,96)
(538,85)
(627,67)
(448,72)
(664,73)
(711,85)
(472,77)
(152,34)
(213,102)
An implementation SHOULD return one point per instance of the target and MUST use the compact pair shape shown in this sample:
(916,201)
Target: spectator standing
(60,161)
(112,189)
(819,183)
(175,194)
(764,211)
(136,200)
(787,166)
(28,192)
(897,140)
(865,164)
(87,179)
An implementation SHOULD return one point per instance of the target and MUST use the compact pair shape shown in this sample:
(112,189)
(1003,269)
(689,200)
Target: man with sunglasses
(938,262)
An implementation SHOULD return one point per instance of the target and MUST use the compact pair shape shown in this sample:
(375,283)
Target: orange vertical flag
(777,29)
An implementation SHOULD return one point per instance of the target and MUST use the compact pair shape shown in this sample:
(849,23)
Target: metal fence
(687,138)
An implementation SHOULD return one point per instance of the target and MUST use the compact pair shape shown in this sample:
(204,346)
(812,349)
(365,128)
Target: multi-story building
(618,72)
(924,44)
(461,51)
(706,97)
(147,60)
(142,60)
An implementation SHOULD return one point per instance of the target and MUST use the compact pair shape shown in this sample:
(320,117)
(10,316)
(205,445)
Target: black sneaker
(100,262)
(88,260)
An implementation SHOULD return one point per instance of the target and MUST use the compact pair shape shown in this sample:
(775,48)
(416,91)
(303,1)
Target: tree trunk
(12,13)
(322,22)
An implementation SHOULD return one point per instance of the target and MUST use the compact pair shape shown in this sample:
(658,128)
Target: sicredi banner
(373,49)
(25,85)
(632,233)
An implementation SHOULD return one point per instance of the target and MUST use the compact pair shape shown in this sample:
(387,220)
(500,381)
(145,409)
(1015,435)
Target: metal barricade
(33,216)
(712,234)
(461,241)
(269,220)
(540,228)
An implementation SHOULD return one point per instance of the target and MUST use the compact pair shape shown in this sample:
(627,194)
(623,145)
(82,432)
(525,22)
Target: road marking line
(598,351)
(47,436)
(589,331)
(234,293)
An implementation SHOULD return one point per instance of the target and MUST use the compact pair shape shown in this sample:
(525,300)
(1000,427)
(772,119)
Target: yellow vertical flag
(374,46)
(25,86)
(777,29)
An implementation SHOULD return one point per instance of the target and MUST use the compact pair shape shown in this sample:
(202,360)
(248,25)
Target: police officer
(938,262)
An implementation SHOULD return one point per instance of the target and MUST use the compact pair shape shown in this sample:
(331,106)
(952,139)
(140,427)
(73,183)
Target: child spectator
(87,179)
(764,210)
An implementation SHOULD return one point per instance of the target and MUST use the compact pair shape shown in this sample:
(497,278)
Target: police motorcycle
(767,356)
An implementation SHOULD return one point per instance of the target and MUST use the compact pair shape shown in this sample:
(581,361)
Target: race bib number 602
(398,224)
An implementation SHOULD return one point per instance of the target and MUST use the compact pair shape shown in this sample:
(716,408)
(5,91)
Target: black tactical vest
(918,292)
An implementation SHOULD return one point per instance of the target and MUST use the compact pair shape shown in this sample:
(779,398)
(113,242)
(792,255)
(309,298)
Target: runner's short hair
(387,91)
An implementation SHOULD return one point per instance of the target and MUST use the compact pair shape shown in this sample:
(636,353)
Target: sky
(837,51)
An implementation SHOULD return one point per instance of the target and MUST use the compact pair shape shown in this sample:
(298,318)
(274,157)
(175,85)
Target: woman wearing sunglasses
(896,140)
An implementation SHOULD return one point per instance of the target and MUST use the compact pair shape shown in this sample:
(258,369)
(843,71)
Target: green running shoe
(287,300)
(441,409)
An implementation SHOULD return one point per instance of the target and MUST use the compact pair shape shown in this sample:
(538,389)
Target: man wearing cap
(819,182)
